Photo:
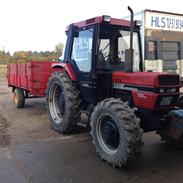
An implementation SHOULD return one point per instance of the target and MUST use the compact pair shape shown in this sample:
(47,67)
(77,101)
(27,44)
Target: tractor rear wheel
(173,133)
(63,102)
(116,132)
(19,98)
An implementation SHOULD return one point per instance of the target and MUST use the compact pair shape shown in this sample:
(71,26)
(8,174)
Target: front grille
(172,102)
(169,80)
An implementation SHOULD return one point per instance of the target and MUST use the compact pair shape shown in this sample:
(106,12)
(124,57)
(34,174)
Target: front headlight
(171,90)
(167,90)
(106,18)
(162,90)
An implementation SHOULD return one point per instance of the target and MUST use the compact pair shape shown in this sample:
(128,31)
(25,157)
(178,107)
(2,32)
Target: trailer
(28,80)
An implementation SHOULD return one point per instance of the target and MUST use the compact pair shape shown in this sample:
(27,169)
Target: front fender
(67,67)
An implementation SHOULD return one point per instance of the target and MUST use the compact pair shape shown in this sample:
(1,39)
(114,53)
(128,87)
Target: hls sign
(154,20)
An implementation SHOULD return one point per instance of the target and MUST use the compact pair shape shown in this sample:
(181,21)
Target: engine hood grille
(169,80)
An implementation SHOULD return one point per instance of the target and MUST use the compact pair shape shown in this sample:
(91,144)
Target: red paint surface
(99,20)
(67,67)
(142,99)
(32,77)
(149,79)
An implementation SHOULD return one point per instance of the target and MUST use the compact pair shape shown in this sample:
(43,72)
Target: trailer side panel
(32,77)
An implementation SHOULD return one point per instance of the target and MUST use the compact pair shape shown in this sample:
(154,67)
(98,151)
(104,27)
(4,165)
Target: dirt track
(4,137)
(22,125)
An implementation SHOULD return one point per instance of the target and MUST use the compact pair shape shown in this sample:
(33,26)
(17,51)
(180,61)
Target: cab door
(82,59)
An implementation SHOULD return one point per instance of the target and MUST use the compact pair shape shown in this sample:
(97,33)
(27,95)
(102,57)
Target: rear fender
(66,67)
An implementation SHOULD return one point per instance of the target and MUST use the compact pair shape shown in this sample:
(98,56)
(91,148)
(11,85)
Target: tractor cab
(96,48)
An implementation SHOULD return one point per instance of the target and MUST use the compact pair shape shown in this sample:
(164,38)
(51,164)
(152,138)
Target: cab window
(82,50)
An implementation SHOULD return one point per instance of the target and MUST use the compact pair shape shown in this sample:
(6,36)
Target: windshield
(112,46)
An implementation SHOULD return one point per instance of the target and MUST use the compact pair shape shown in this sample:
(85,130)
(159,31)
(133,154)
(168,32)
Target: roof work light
(106,18)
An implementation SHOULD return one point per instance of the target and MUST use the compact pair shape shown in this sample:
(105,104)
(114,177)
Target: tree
(4,57)
(59,48)
(25,56)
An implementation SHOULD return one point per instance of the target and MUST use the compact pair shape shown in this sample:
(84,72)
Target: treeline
(25,56)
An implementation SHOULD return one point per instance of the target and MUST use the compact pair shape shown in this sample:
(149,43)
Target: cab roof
(100,20)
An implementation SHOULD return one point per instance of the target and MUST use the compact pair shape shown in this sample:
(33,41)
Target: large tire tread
(19,98)
(133,132)
(166,135)
(74,102)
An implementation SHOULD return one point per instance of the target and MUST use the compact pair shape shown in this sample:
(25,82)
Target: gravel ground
(22,125)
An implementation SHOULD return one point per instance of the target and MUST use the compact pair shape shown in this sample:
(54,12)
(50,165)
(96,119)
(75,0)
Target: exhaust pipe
(129,52)
(131,28)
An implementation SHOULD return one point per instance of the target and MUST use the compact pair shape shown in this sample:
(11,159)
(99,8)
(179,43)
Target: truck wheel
(173,133)
(19,98)
(116,132)
(63,102)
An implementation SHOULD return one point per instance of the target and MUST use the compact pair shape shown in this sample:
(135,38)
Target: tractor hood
(149,79)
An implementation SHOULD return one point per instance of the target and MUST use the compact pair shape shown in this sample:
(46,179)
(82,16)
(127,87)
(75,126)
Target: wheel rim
(15,98)
(56,102)
(108,134)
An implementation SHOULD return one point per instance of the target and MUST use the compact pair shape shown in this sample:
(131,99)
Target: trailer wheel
(116,132)
(63,102)
(173,133)
(19,98)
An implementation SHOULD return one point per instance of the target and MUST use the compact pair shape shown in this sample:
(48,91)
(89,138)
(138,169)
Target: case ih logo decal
(123,86)
(132,87)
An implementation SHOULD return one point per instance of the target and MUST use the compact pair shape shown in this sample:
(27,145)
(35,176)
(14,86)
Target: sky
(38,25)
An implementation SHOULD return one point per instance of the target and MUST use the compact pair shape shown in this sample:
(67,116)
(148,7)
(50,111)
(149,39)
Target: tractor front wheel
(116,132)
(172,133)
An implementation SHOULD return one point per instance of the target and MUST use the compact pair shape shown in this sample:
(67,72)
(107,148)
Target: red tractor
(101,74)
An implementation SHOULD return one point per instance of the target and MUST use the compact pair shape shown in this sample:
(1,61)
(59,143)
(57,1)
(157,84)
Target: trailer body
(32,77)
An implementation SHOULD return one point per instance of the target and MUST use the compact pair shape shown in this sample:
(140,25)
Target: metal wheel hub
(61,103)
(108,134)
(16,98)
(56,102)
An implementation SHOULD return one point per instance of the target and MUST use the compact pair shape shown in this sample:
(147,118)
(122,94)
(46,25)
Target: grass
(3,69)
